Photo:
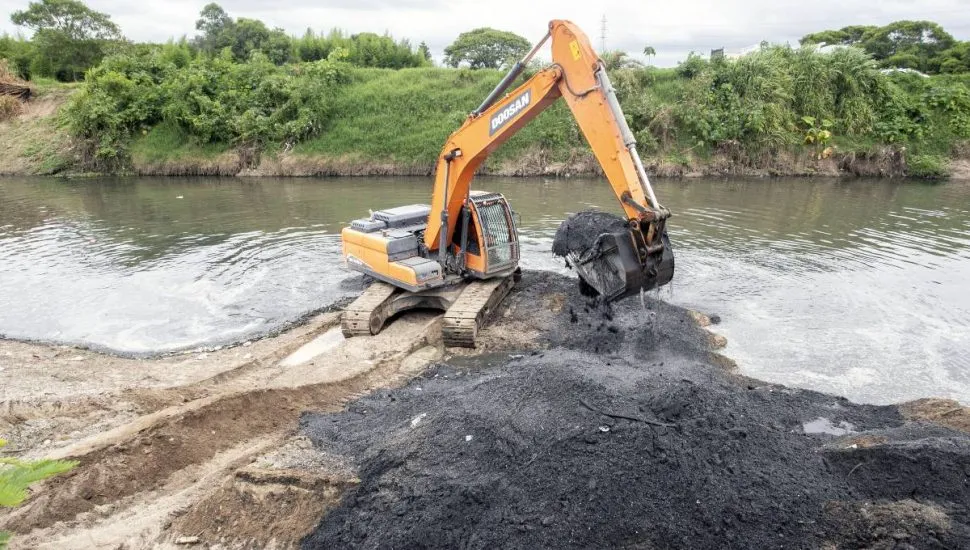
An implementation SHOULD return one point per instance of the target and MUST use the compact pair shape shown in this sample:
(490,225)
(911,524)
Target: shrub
(692,66)
(213,100)
(928,166)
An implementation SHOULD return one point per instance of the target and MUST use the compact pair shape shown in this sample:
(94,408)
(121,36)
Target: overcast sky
(672,27)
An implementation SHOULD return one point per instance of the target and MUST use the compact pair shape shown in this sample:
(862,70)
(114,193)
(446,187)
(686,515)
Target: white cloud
(673,28)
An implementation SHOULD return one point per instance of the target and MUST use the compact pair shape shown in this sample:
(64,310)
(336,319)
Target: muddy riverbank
(586,426)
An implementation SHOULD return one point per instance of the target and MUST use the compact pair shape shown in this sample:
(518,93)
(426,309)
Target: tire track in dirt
(140,458)
(52,397)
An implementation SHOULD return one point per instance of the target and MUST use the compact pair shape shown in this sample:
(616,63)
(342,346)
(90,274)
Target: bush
(213,100)
(752,107)
(759,99)
(928,166)
(757,103)
(692,66)
(361,50)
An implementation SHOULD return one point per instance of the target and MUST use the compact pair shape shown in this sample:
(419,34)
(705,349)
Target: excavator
(460,254)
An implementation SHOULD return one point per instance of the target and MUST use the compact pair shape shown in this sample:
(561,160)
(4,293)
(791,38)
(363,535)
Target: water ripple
(853,287)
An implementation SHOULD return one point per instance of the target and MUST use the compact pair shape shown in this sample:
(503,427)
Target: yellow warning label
(574,47)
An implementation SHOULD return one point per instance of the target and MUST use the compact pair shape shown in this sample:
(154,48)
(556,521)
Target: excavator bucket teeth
(608,263)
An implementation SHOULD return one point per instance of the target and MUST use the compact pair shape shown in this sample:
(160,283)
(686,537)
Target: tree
(69,17)
(242,36)
(278,47)
(921,38)
(425,51)
(486,48)
(649,52)
(215,25)
(69,36)
(846,36)
(956,59)
(920,45)
(247,36)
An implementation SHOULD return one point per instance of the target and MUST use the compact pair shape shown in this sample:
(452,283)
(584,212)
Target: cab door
(498,236)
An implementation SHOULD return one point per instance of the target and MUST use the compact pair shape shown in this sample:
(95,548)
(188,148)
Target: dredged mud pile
(626,433)
(579,231)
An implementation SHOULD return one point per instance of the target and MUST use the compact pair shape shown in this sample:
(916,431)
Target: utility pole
(603,34)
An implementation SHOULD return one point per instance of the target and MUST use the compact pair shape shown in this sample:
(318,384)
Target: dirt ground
(206,450)
(173,439)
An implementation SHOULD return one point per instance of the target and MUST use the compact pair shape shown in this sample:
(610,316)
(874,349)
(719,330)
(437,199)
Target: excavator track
(472,309)
(366,315)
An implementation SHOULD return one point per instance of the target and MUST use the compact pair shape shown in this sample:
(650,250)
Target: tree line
(918,45)
(69,38)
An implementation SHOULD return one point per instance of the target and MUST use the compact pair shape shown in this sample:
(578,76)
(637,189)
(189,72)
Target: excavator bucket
(606,255)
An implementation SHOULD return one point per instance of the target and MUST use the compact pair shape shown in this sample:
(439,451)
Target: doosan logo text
(508,113)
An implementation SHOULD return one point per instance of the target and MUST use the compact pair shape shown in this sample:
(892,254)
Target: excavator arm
(578,76)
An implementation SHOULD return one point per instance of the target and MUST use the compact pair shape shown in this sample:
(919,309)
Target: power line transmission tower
(603,34)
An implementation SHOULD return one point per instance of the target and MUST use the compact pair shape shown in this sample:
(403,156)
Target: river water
(861,288)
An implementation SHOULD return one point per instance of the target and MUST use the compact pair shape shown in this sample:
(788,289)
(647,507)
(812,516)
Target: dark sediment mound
(625,434)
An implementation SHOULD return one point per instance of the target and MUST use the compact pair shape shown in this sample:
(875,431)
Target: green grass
(405,116)
(43,87)
(167,142)
(928,166)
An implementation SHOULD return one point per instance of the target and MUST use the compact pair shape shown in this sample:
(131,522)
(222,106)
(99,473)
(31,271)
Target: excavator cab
(486,241)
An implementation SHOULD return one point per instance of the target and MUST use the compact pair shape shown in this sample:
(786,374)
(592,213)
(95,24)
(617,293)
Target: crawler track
(366,315)
(469,313)
(467,307)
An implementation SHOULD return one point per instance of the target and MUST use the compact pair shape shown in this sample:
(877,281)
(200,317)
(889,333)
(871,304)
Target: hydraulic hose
(509,78)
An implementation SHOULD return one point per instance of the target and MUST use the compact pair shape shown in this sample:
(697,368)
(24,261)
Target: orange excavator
(460,254)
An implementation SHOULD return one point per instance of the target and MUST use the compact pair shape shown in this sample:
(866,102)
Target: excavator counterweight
(461,252)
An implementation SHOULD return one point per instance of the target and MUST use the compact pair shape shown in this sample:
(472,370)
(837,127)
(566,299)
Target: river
(855,287)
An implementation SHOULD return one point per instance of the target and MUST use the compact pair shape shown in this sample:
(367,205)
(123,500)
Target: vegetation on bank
(241,90)
(775,101)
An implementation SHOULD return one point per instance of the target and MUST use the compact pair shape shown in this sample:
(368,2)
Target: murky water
(861,288)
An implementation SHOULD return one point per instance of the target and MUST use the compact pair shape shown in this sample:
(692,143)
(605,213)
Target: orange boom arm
(577,75)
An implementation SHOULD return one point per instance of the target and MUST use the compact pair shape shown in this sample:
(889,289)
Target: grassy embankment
(776,112)
(395,122)
(382,122)
(33,139)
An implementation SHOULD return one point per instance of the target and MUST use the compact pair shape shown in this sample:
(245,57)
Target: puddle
(825,426)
